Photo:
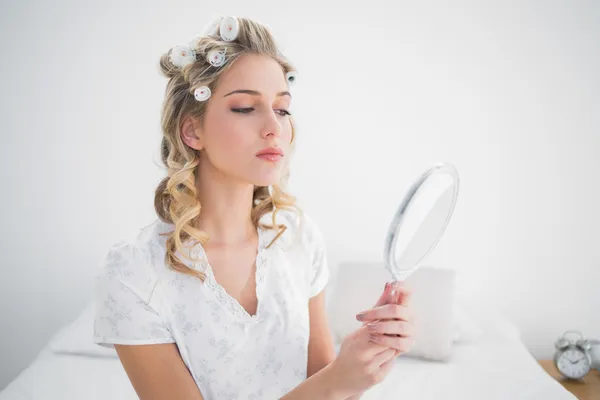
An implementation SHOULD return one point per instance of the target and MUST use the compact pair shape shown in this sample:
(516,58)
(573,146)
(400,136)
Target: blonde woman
(222,296)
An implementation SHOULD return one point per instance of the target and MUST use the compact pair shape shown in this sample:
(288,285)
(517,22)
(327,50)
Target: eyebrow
(256,93)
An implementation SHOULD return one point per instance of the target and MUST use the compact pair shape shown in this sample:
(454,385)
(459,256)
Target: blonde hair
(175,200)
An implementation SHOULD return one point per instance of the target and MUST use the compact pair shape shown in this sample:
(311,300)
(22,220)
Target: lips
(272,154)
(270,151)
(270,157)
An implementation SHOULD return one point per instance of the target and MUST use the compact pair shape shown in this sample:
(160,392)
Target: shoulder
(302,238)
(130,260)
(300,227)
(306,249)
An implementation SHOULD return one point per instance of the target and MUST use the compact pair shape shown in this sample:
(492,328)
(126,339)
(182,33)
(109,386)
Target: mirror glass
(420,220)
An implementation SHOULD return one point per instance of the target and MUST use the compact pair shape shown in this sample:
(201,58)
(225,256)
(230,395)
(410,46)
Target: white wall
(507,91)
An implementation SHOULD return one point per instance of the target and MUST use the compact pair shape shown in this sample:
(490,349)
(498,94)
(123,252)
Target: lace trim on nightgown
(231,303)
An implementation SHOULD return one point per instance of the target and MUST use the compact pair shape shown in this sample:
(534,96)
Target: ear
(191,132)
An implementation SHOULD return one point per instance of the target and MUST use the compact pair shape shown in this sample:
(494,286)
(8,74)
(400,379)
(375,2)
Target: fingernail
(360,316)
(387,285)
(371,326)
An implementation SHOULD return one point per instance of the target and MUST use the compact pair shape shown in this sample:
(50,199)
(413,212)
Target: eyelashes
(248,110)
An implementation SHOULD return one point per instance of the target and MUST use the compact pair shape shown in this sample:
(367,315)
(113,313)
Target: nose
(271,127)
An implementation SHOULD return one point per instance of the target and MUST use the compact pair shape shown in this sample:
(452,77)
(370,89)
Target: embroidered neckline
(236,309)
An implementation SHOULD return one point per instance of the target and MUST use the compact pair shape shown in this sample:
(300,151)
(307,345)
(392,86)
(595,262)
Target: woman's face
(246,122)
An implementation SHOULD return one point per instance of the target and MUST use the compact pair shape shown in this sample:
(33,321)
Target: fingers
(402,344)
(404,296)
(385,296)
(387,366)
(388,323)
(396,289)
(362,344)
(384,356)
(394,292)
(390,327)
(387,311)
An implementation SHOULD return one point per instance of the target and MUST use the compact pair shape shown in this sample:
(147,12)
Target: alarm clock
(573,357)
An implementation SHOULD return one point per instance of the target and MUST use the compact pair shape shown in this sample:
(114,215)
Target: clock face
(573,363)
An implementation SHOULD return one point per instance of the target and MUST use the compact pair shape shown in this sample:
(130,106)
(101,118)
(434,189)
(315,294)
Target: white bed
(496,366)
(489,369)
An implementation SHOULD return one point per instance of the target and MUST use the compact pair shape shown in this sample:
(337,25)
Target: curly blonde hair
(175,200)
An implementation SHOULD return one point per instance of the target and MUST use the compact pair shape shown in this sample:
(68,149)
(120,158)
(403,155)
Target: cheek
(229,137)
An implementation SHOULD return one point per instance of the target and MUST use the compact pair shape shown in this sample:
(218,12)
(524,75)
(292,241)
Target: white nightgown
(230,353)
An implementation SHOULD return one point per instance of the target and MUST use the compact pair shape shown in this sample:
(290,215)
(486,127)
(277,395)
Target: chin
(266,180)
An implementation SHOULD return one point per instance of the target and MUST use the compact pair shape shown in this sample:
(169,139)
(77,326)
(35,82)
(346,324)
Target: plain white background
(508,91)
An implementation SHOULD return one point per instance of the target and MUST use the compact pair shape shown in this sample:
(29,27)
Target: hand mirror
(420,220)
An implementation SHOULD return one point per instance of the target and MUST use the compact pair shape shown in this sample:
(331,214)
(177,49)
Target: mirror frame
(391,237)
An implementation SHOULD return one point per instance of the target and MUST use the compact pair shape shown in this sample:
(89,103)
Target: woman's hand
(366,356)
(360,364)
(389,322)
(389,332)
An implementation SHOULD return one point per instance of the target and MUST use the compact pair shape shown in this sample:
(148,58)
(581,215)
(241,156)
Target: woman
(222,296)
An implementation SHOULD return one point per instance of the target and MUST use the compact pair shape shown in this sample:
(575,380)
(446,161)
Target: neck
(226,206)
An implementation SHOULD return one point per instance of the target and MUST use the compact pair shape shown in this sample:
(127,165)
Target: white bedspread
(493,366)
(485,370)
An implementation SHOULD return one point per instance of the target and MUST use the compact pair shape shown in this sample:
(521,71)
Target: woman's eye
(242,110)
(284,112)
(247,110)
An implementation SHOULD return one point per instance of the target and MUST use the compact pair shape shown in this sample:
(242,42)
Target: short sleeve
(128,300)
(319,268)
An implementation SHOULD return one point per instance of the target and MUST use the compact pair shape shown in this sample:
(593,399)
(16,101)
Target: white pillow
(359,285)
(77,337)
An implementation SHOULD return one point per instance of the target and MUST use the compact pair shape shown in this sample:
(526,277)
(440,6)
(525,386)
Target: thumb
(385,296)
